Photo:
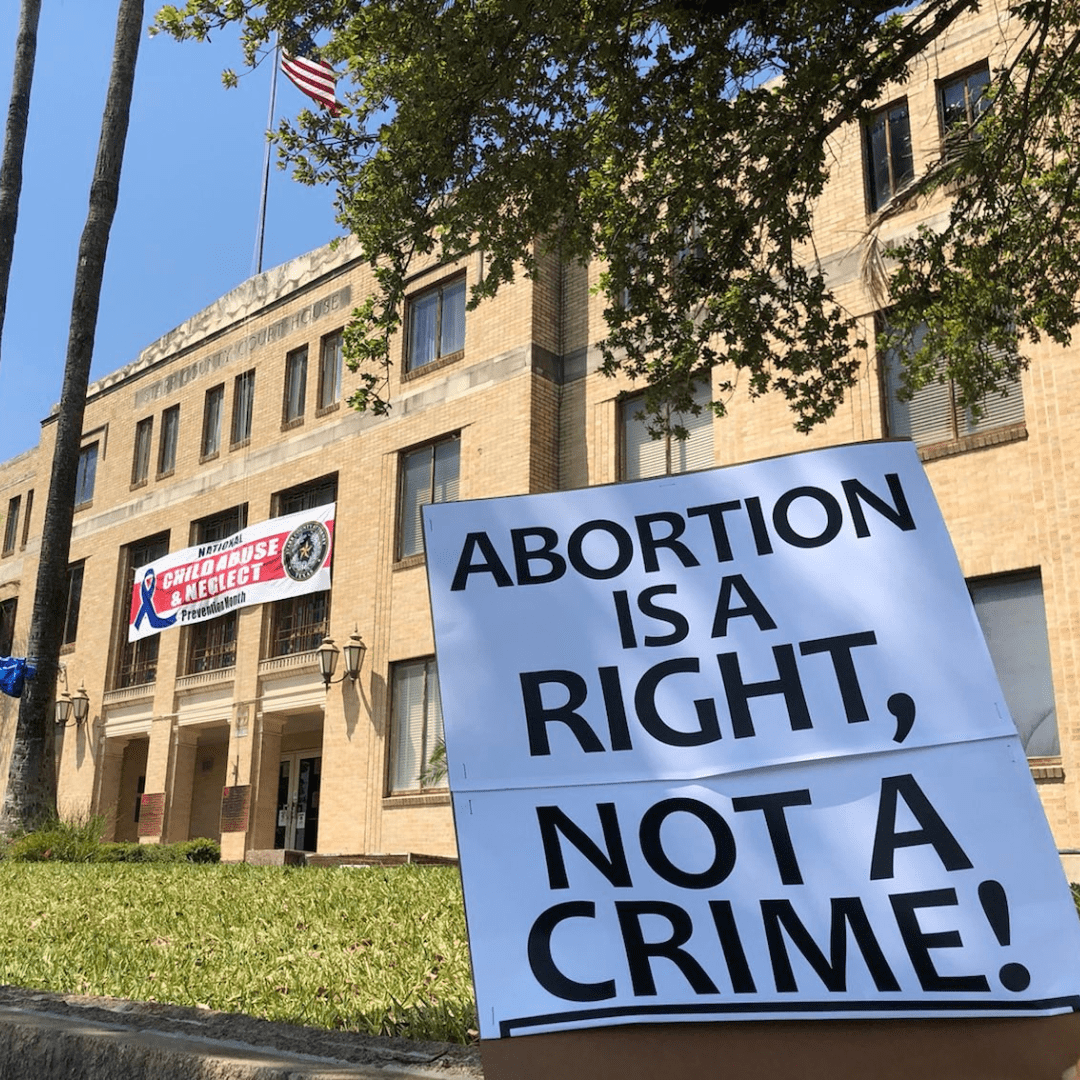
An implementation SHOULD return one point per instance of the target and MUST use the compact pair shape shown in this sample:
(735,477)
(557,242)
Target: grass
(378,950)
(381,951)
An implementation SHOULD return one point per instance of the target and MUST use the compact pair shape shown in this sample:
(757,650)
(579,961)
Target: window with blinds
(292,408)
(73,591)
(211,433)
(435,324)
(11,526)
(170,434)
(26,518)
(330,364)
(243,407)
(415,722)
(429,474)
(140,464)
(1012,615)
(933,415)
(644,456)
(84,477)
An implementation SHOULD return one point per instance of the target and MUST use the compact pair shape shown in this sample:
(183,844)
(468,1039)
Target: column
(158,771)
(178,804)
(265,787)
(109,770)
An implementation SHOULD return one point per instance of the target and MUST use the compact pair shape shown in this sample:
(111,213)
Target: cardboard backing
(1029,1048)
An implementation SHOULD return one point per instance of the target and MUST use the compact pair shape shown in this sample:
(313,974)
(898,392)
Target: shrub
(59,841)
(80,842)
(200,850)
(121,852)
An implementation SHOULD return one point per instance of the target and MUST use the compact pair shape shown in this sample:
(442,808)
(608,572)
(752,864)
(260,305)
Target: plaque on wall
(152,813)
(235,803)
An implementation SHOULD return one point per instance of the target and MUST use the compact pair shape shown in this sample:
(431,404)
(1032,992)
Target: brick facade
(532,413)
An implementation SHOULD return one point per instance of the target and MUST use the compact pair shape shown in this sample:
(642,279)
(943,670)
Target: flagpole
(260,235)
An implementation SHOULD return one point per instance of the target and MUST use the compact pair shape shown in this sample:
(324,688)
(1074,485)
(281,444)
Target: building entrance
(299,779)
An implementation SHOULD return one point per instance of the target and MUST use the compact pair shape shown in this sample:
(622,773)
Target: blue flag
(14,671)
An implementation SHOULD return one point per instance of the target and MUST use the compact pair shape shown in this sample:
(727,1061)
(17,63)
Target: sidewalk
(45,1036)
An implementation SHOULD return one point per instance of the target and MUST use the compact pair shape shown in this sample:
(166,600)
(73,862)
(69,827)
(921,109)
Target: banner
(730,745)
(284,556)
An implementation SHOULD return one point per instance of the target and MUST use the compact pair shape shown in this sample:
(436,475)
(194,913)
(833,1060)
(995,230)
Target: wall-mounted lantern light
(354,650)
(72,708)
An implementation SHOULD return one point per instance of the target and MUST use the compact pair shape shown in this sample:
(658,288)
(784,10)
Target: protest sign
(284,556)
(729,745)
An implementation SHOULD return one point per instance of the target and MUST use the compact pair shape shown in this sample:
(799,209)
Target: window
(212,644)
(330,363)
(26,518)
(295,386)
(889,165)
(73,599)
(242,407)
(962,100)
(436,324)
(306,496)
(218,526)
(137,661)
(415,721)
(428,475)
(84,477)
(211,430)
(140,461)
(643,456)
(299,623)
(1013,619)
(7,625)
(170,432)
(11,527)
(933,415)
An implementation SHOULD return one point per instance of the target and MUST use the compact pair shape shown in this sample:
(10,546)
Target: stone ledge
(90,1038)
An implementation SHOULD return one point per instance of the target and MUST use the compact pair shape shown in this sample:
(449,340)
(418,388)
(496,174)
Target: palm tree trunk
(31,790)
(11,172)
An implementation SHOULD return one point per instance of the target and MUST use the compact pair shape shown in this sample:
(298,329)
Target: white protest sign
(730,744)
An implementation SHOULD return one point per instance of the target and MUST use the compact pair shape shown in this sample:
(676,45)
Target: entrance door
(298,801)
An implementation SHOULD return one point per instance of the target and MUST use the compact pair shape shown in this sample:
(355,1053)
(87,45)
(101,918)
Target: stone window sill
(439,797)
(979,441)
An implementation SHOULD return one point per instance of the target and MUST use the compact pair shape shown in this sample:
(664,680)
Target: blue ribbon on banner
(14,671)
(158,622)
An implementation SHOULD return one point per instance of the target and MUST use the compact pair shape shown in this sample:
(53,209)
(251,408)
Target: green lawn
(375,950)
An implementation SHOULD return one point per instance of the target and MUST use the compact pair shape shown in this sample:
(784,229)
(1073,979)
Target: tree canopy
(684,144)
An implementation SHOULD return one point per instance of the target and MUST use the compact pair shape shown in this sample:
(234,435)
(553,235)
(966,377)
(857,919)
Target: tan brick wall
(533,414)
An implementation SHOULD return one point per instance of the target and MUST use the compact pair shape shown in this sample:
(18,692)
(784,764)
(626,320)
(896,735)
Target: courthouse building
(223,727)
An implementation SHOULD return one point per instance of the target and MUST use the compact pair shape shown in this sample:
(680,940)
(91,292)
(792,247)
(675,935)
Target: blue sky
(185,227)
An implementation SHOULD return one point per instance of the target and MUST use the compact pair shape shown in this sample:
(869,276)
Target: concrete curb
(44,1036)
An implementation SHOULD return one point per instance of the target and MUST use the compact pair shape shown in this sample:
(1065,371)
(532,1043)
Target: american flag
(311,75)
